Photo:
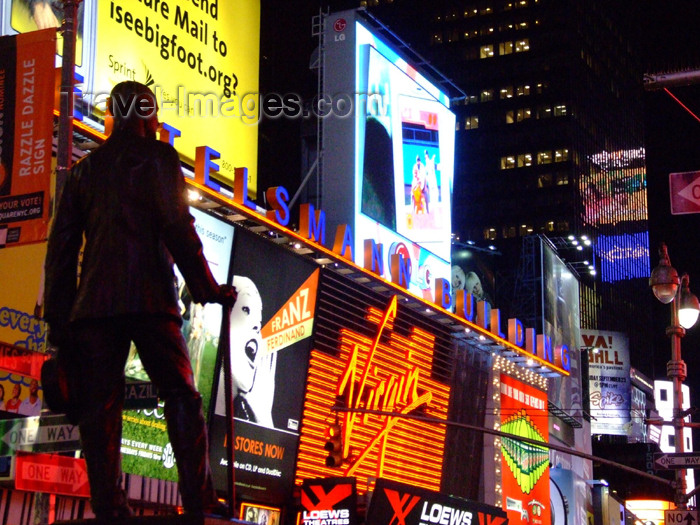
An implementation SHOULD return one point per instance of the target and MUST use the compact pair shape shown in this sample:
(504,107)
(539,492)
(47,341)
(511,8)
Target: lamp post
(668,287)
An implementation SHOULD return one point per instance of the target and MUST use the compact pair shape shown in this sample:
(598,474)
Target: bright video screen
(404,160)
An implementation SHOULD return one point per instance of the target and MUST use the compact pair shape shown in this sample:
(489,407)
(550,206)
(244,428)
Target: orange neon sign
(388,372)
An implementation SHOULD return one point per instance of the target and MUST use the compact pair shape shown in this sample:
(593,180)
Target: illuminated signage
(26,131)
(200,58)
(609,381)
(525,466)
(409,505)
(623,256)
(328,501)
(388,371)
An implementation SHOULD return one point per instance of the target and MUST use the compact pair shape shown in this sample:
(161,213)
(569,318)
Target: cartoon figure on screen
(253,369)
(418,188)
(432,193)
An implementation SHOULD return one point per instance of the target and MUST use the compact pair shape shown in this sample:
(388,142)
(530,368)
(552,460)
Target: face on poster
(270,335)
(146,448)
(524,466)
(404,159)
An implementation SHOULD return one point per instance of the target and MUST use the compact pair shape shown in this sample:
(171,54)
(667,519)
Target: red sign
(685,192)
(52,473)
(525,466)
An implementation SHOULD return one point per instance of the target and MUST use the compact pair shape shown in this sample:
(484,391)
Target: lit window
(544,157)
(524,160)
(487,30)
(549,226)
(471,99)
(436,38)
(521,25)
(544,112)
(470,34)
(505,48)
(487,95)
(544,180)
(506,92)
(522,45)
(562,179)
(541,87)
(523,114)
(486,10)
(522,3)
(525,230)
(490,234)
(510,117)
(507,162)
(560,110)
(561,155)
(471,122)
(486,51)
(523,90)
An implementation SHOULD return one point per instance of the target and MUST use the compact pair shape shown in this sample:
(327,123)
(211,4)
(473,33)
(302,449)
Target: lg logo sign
(339,26)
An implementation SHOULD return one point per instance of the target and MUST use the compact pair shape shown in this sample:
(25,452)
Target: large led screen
(200,58)
(394,154)
(271,329)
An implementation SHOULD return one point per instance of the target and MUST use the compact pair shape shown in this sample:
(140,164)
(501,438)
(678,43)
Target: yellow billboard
(201,58)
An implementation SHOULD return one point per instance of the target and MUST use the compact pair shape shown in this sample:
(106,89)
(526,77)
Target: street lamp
(669,288)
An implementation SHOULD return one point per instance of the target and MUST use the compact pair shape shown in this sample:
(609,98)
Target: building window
(544,180)
(436,38)
(541,87)
(470,34)
(663,394)
(560,110)
(522,90)
(522,25)
(509,232)
(486,51)
(525,229)
(561,155)
(524,113)
(471,122)
(510,117)
(672,440)
(487,30)
(522,45)
(505,48)
(562,179)
(507,162)
(487,95)
(471,99)
(524,160)
(490,234)
(506,92)
(544,157)
(486,10)
(470,11)
(544,112)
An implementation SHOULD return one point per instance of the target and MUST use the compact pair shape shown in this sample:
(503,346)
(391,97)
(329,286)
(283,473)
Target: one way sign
(681,517)
(685,192)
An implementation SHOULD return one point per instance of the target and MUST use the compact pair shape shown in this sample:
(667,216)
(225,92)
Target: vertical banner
(398,503)
(271,329)
(328,500)
(610,383)
(525,467)
(26,131)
